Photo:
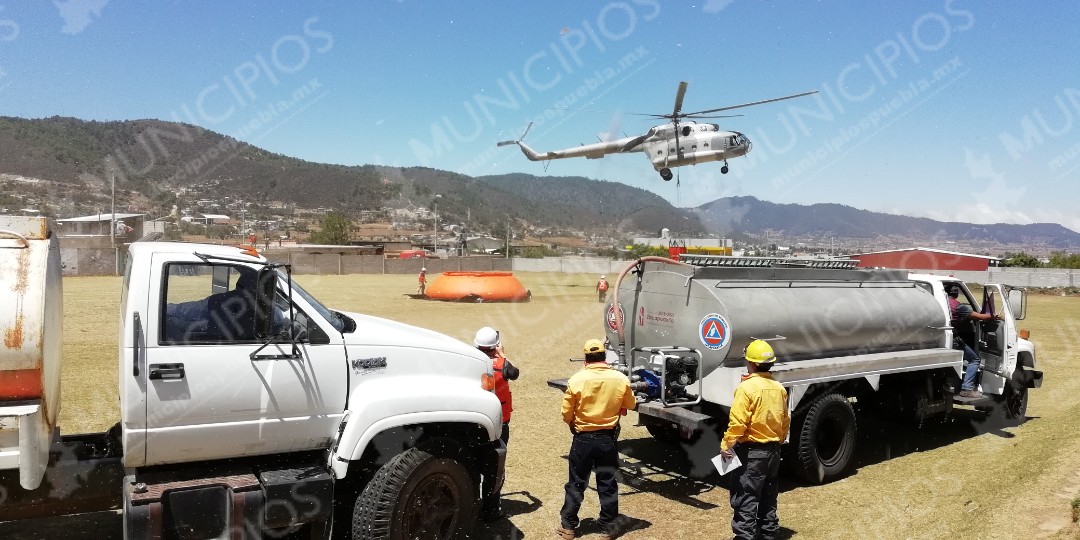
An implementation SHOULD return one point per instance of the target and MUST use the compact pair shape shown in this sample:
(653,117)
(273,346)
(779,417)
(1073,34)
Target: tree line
(1058,259)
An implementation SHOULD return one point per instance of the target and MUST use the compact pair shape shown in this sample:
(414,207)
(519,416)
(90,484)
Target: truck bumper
(1029,378)
(495,468)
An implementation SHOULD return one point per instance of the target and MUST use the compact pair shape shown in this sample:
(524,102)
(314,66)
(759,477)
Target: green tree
(1060,259)
(335,229)
(638,251)
(1021,260)
(538,252)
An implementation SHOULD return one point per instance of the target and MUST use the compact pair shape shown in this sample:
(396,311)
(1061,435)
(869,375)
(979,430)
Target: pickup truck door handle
(166,372)
(136,343)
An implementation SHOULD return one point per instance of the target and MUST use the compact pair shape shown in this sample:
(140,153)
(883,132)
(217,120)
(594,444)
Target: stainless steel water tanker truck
(875,340)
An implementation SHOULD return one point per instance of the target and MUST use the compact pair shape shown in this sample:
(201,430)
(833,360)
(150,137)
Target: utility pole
(112,228)
(436,237)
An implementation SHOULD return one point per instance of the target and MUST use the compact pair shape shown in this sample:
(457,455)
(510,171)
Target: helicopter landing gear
(665,173)
(724,169)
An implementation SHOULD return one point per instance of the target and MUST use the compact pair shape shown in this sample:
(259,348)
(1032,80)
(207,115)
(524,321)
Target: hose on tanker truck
(618,281)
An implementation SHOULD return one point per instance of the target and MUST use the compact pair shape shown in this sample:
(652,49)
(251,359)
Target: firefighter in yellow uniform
(758,424)
(596,397)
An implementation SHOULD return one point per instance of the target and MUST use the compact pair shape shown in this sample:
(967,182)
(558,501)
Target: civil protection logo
(611,317)
(713,331)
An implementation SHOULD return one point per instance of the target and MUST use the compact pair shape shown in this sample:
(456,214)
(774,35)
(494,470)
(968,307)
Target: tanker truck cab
(248,408)
(1007,359)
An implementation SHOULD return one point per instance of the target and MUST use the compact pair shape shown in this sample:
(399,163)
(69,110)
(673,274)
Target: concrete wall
(90,258)
(338,263)
(1018,277)
(584,265)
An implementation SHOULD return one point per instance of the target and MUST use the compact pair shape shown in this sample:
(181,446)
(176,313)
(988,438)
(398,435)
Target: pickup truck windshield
(327,313)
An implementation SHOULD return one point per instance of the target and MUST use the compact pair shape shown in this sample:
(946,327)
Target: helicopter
(669,145)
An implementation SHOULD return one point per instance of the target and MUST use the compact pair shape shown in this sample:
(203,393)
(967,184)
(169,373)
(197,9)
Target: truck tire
(417,495)
(822,439)
(664,433)
(1010,408)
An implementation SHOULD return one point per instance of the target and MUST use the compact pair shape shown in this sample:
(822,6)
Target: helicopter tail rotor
(529,152)
(518,141)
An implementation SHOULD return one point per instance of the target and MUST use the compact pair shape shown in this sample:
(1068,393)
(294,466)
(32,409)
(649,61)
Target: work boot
(971,394)
(566,534)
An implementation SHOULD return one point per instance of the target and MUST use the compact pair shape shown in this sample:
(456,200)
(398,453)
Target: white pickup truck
(247,407)
(847,340)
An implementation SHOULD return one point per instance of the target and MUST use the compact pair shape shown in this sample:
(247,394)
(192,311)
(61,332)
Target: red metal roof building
(925,259)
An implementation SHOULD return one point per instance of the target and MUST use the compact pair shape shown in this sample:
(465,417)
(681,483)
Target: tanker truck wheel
(417,495)
(1010,408)
(822,439)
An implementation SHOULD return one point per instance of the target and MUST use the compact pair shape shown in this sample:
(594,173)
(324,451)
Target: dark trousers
(754,489)
(492,501)
(592,451)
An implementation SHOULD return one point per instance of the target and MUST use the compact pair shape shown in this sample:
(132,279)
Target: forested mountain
(158,164)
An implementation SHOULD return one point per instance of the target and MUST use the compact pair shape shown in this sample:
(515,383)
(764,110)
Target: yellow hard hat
(594,346)
(759,352)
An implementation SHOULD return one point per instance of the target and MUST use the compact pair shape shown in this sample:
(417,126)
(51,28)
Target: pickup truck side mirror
(264,302)
(1017,303)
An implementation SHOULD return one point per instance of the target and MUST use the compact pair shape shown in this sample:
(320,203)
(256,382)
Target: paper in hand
(724,466)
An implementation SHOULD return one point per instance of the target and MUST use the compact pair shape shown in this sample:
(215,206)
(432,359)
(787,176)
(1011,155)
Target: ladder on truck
(764,262)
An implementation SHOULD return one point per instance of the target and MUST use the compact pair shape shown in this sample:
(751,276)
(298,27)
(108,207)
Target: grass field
(950,480)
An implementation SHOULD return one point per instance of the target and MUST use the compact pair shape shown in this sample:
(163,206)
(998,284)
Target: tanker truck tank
(805,313)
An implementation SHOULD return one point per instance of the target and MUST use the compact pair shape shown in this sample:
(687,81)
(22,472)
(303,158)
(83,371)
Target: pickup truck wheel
(416,496)
(1010,408)
(823,439)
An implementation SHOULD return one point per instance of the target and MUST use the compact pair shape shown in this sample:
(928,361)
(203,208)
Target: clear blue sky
(951,110)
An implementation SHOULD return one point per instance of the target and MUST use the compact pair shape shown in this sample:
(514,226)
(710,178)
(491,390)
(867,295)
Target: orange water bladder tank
(478,287)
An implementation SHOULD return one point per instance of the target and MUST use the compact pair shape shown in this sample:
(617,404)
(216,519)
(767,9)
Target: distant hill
(151,156)
(154,161)
(749,215)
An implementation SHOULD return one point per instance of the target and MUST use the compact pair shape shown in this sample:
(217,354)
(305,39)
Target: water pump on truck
(879,340)
(247,407)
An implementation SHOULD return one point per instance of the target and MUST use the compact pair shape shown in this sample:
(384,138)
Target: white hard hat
(486,337)
(602,277)
(423,269)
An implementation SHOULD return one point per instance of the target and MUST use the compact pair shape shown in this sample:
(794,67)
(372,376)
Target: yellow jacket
(759,412)
(596,397)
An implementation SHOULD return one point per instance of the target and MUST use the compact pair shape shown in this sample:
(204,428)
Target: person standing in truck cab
(596,397)
(960,316)
(601,288)
(758,424)
(487,340)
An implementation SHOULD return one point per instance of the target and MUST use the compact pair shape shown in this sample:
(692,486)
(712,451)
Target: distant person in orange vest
(601,288)
(266,243)
(252,239)
(422,279)
(487,340)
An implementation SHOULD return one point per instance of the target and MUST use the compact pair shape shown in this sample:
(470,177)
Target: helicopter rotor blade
(711,116)
(527,128)
(752,103)
(679,99)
